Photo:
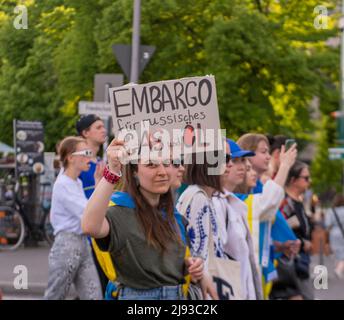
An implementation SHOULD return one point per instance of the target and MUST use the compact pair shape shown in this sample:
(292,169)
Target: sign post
(101,106)
(338,154)
(102,83)
(101,109)
(123,53)
(29,157)
(29,147)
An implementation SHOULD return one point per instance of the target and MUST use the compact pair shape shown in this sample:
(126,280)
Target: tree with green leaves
(268,59)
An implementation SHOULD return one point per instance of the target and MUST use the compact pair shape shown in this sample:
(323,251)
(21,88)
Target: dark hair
(158,229)
(85,122)
(296,170)
(338,200)
(198,174)
(276,142)
(67,146)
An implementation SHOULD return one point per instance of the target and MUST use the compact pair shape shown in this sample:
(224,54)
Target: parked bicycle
(16,225)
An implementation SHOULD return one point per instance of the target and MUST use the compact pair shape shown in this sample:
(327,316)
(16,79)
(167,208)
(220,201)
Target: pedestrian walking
(92,129)
(70,259)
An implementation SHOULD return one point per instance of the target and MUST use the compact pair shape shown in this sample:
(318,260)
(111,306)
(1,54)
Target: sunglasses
(228,157)
(177,163)
(85,153)
(307,178)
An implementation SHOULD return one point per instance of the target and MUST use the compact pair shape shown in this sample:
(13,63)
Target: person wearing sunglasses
(70,258)
(92,129)
(293,209)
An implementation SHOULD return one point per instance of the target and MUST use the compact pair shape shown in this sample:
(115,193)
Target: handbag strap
(338,221)
(211,242)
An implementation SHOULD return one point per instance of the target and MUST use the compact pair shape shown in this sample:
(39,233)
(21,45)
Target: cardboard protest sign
(187,106)
(29,146)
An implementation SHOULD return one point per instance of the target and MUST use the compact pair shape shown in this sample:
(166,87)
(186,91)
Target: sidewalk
(36,262)
(335,289)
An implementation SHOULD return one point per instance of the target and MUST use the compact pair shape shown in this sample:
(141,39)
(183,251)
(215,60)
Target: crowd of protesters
(158,229)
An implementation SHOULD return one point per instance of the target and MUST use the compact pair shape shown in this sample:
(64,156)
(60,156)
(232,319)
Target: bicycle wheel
(48,230)
(12,229)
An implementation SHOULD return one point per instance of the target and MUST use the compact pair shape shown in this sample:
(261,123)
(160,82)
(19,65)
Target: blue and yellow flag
(123,199)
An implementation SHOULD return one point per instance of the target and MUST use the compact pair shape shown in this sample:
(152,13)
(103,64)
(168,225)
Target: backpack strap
(104,258)
(105,262)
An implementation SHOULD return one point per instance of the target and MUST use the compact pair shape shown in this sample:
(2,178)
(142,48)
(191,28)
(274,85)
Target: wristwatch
(110,177)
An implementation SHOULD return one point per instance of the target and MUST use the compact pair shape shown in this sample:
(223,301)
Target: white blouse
(201,216)
(232,216)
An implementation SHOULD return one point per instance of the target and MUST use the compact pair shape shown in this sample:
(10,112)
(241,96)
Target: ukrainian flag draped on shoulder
(124,199)
(103,257)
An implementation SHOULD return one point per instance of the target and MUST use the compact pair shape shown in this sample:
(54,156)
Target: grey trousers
(70,261)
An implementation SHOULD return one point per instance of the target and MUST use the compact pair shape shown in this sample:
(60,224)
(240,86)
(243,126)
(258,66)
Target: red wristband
(111,177)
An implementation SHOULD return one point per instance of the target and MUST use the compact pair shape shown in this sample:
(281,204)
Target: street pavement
(335,290)
(36,262)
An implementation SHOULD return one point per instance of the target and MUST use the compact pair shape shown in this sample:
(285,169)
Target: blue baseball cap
(237,152)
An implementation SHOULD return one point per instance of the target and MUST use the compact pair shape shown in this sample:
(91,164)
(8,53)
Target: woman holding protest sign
(141,229)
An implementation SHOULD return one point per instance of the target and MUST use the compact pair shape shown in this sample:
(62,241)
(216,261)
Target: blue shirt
(87,178)
(258,188)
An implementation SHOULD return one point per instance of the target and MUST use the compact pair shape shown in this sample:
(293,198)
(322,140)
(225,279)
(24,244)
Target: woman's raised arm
(93,221)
